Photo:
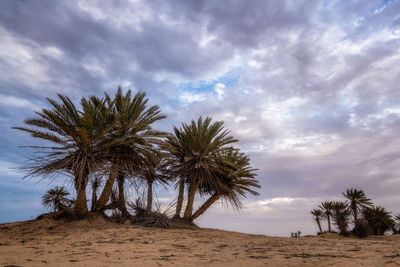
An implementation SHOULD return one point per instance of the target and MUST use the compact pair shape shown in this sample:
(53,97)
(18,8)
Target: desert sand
(48,242)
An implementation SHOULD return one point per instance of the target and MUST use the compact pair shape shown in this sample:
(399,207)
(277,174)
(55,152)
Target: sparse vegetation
(367,218)
(56,198)
(110,141)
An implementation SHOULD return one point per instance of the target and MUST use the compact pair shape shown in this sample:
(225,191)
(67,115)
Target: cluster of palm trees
(357,210)
(110,143)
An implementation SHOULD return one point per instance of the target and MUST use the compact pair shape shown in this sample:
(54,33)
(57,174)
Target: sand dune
(99,243)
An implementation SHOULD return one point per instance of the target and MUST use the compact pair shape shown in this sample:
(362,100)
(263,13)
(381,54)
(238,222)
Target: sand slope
(81,243)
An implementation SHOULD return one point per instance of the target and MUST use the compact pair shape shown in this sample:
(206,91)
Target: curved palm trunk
(319,225)
(329,223)
(149,195)
(121,194)
(81,208)
(205,206)
(105,195)
(180,198)
(190,201)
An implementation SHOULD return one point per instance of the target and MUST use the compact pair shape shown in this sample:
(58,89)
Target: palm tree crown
(55,197)
(79,141)
(379,219)
(317,213)
(327,211)
(237,180)
(194,148)
(357,201)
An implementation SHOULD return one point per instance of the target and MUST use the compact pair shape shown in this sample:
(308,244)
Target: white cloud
(188,98)
(18,103)
(219,89)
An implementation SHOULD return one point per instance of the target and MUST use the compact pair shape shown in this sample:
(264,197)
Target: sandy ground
(82,243)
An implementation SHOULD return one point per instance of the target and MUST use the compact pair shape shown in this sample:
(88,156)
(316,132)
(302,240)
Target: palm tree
(397,226)
(151,173)
(194,148)
(357,201)
(326,208)
(175,156)
(379,219)
(317,213)
(78,142)
(55,197)
(95,183)
(340,215)
(132,138)
(233,184)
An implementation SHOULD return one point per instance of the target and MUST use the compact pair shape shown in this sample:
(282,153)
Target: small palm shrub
(379,219)
(362,229)
(340,216)
(138,208)
(56,198)
(157,219)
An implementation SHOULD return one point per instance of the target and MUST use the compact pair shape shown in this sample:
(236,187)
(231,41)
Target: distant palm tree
(397,219)
(379,219)
(233,185)
(195,147)
(326,208)
(317,213)
(357,201)
(55,197)
(341,215)
(78,138)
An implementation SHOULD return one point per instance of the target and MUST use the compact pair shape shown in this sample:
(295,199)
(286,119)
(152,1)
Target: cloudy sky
(310,88)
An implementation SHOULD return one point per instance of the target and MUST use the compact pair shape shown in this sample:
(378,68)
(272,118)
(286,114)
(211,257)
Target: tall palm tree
(357,201)
(78,142)
(326,208)
(195,151)
(317,213)
(379,219)
(340,215)
(175,156)
(233,184)
(55,197)
(132,138)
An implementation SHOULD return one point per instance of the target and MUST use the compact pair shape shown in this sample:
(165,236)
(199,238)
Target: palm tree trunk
(355,217)
(319,226)
(329,223)
(105,195)
(205,206)
(190,201)
(81,208)
(180,198)
(149,195)
(94,198)
(121,194)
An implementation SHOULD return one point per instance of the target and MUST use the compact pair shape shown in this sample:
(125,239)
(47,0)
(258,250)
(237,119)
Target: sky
(310,88)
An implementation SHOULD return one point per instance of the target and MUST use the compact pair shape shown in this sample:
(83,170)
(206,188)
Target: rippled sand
(99,243)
